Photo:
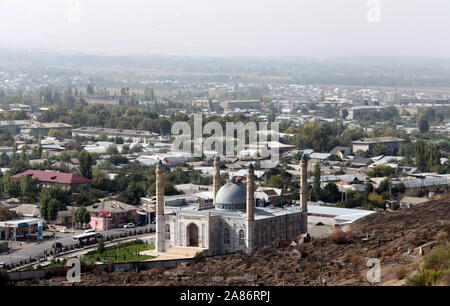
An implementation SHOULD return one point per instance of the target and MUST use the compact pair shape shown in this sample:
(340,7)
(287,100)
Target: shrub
(101,247)
(439,259)
(388,252)
(424,278)
(445,281)
(401,273)
(372,254)
(442,237)
(356,260)
(109,267)
(340,237)
(4,277)
(127,278)
(198,256)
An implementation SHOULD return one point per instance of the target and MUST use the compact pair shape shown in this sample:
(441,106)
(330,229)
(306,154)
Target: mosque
(232,223)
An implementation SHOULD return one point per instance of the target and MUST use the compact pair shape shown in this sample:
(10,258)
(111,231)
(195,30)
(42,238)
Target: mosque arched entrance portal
(192,235)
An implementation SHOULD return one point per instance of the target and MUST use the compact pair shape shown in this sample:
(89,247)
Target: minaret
(159,208)
(303,194)
(250,209)
(216,178)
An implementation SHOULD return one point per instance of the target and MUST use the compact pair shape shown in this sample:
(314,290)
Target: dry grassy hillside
(336,260)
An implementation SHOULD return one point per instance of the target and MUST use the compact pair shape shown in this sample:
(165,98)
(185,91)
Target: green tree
(275,181)
(112,150)
(381,171)
(315,137)
(49,207)
(6,214)
(85,164)
(39,152)
(368,187)
(384,187)
(423,124)
(89,90)
(375,200)
(316,181)
(165,126)
(82,215)
(379,149)
(101,247)
(133,194)
(330,193)
(29,187)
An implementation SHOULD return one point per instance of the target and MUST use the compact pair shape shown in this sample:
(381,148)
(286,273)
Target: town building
(67,181)
(408,202)
(242,104)
(20,228)
(111,214)
(392,144)
(31,127)
(341,152)
(232,223)
(127,135)
(357,112)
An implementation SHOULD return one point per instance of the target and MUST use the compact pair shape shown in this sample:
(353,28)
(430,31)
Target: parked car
(57,245)
(64,230)
(89,231)
(129,225)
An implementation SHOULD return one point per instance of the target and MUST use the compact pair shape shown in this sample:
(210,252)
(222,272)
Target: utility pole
(148,219)
(106,227)
(10,252)
(54,244)
(73,216)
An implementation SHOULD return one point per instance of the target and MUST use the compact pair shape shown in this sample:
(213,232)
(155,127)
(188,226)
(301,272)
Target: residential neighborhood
(208,151)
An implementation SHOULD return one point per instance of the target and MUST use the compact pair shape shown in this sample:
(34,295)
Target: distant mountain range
(367,71)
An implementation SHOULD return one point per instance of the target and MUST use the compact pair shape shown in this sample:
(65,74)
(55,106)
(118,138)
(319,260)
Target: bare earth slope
(336,260)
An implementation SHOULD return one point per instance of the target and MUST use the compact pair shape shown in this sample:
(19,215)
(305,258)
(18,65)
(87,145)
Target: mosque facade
(233,223)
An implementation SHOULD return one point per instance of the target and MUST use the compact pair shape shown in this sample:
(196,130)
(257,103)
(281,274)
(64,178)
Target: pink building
(111,214)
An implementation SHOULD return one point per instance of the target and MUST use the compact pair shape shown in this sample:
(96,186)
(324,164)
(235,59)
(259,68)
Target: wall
(131,266)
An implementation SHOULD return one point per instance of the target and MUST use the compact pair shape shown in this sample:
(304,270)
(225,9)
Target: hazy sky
(229,27)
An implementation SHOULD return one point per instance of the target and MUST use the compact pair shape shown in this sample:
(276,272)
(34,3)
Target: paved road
(36,249)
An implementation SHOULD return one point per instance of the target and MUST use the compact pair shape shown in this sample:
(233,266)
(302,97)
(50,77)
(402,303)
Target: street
(35,249)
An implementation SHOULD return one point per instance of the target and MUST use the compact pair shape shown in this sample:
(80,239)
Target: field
(122,254)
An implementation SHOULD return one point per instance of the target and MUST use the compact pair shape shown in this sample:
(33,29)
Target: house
(320,156)
(192,188)
(341,152)
(27,210)
(270,195)
(174,160)
(391,161)
(348,178)
(111,214)
(67,181)
(128,135)
(64,217)
(360,162)
(408,202)
(392,144)
(430,183)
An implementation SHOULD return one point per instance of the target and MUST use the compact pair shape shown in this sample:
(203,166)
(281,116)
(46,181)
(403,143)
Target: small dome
(231,197)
